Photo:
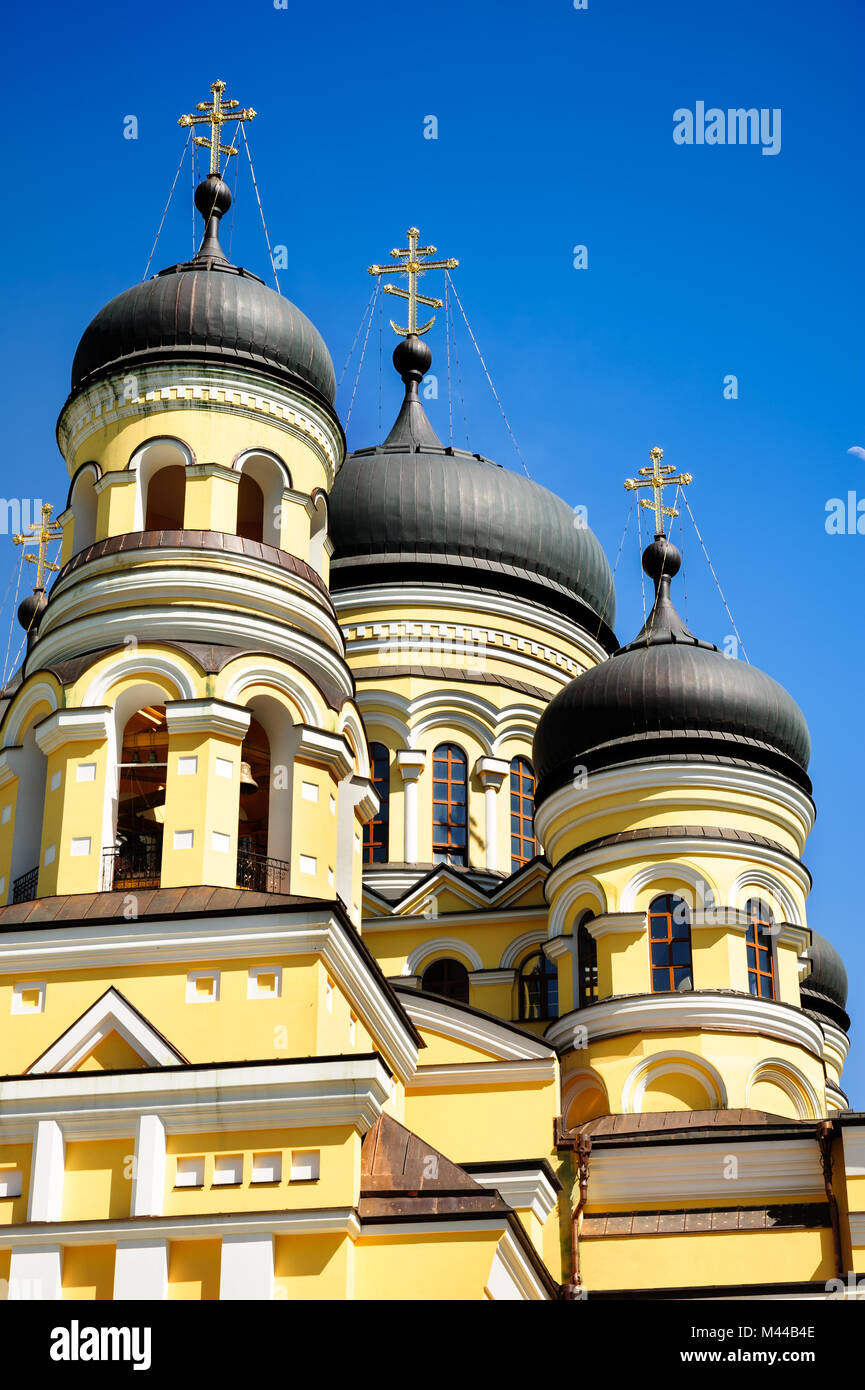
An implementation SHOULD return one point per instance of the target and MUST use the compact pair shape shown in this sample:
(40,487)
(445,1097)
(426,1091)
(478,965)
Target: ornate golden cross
(659,476)
(41,534)
(217,113)
(412,267)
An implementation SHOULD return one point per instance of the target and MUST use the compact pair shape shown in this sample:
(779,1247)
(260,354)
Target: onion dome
(668,694)
(30,611)
(206,310)
(411,508)
(824,991)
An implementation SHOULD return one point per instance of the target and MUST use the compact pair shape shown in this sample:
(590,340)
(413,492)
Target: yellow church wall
(314,838)
(88,1272)
(5,1262)
(397,1267)
(392,944)
(313,1267)
(203,804)
(115,507)
(338,1027)
(441,1051)
(112,1054)
(338,1184)
(13,1210)
(194,1270)
(72,817)
(477,1123)
(706,1259)
(98,1180)
(211,498)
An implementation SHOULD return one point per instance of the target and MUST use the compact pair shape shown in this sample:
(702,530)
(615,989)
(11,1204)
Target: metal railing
(131,866)
(261,874)
(24,887)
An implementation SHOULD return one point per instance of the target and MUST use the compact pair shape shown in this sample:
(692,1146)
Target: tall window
(761,956)
(450,797)
(539,987)
(524,846)
(587,957)
(669,944)
(448,978)
(375,832)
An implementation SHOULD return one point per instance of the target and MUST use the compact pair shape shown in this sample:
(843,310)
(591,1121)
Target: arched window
(539,987)
(375,832)
(250,509)
(761,954)
(135,859)
(587,958)
(449,978)
(524,846)
(166,498)
(670,944)
(256,868)
(450,797)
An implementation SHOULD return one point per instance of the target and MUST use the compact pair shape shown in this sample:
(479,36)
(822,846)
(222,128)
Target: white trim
(308,1221)
(563,895)
(110,1014)
(671,1173)
(536,1071)
(511,1277)
(21,706)
(514,950)
(485,1034)
(670,1063)
(775,1071)
(524,1189)
(662,1013)
(206,716)
(450,945)
(72,726)
(142,664)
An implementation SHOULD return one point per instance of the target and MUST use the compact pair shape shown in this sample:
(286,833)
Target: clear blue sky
(554,129)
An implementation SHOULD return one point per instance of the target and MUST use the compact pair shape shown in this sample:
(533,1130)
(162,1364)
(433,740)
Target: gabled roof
(111,1013)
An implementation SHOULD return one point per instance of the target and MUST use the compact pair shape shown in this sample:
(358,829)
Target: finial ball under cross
(659,476)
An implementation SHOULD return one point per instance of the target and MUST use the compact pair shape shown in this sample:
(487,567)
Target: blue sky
(555,129)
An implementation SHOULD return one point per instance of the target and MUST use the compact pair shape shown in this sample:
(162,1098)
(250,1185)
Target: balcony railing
(261,874)
(24,888)
(131,866)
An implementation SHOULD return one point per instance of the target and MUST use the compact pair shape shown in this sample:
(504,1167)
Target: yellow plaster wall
(705,1259)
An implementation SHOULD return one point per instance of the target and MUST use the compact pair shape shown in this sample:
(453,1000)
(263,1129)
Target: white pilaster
(36,1273)
(46,1176)
(148,1177)
(491,772)
(411,763)
(246,1270)
(141,1270)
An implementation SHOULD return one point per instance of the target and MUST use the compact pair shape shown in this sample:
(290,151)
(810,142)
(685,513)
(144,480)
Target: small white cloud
(857,451)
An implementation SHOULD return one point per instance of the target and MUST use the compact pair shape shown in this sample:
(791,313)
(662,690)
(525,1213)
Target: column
(46,1173)
(148,1176)
(562,951)
(202,793)
(36,1273)
(411,763)
(246,1270)
(141,1270)
(74,830)
(491,773)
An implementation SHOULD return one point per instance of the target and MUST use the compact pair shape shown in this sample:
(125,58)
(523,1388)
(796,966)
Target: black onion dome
(204,310)
(411,508)
(667,694)
(824,991)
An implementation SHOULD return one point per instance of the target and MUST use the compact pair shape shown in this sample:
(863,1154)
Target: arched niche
(161,492)
(29,763)
(263,479)
(318,532)
(84,505)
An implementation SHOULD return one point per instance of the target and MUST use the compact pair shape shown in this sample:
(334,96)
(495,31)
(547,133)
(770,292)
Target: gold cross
(42,533)
(216,116)
(412,267)
(659,476)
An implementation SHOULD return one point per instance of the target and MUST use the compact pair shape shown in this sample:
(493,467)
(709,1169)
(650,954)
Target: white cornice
(469,918)
(673,1172)
(493,977)
(331,750)
(685,848)
(306,1221)
(450,1021)
(536,1072)
(263,1095)
(90,945)
(110,1014)
(665,1013)
(524,1189)
(617,924)
(244,392)
(206,717)
(72,726)
(698,784)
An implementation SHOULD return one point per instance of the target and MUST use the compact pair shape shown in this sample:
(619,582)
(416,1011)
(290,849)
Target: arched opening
(318,533)
(84,504)
(524,846)
(759,942)
(587,963)
(376,831)
(250,509)
(166,499)
(447,977)
(538,987)
(263,480)
(29,762)
(142,769)
(254,868)
(450,805)
(670,944)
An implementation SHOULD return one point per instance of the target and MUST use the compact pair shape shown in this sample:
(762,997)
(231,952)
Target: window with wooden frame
(447,977)
(450,805)
(760,948)
(587,964)
(538,988)
(670,944)
(524,846)
(375,832)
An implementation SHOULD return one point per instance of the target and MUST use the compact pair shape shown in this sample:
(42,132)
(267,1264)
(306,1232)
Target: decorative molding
(777,1072)
(140,663)
(207,717)
(670,1063)
(670,1173)
(111,1013)
(515,948)
(329,750)
(524,1189)
(536,1072)
(617,924)
(73,726)
(478,1030)
(307,1221)
(437,946)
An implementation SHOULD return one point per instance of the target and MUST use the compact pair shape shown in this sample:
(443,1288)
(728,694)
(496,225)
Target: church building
(374,925)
